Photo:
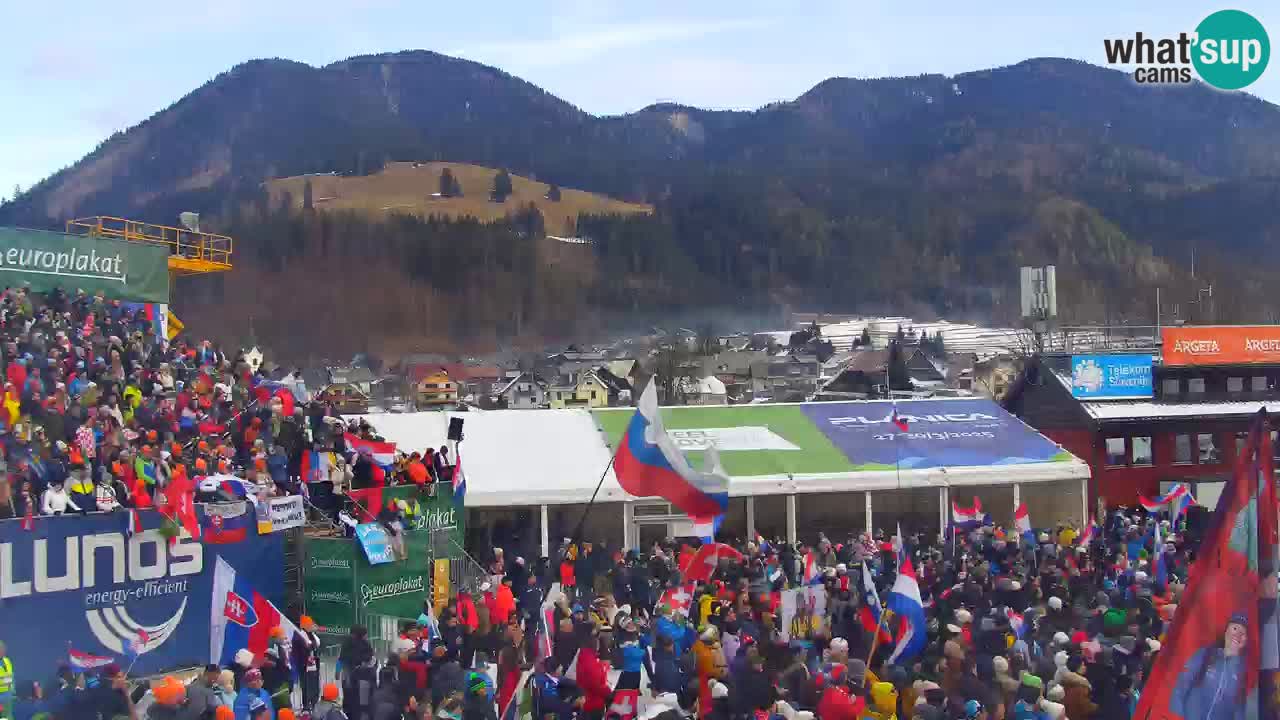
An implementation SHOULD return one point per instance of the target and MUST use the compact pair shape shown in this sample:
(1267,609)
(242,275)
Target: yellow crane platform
(190,252)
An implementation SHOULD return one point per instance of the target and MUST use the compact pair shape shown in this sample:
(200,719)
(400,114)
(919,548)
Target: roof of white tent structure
(555,457)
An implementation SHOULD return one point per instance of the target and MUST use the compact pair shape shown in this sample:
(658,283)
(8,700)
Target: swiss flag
(704,562)
(624,706)
(679,599)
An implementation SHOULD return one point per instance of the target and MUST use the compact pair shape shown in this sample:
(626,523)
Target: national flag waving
(459,483)
(1086,537)
(705,529)
(911,634)
(703,564)
(83,661)
(1155,505)
(133,523)
(179,505)
(679,599)
(1016,622)
(870,611)
(1179,506)
(812,574)
(381,453)
(648,464)
(1022,521)
(1161,569)
(1216,659)
(240,617)
(899,421)
(969,517)
(315,466)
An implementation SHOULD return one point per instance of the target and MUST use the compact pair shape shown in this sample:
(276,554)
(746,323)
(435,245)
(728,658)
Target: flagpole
(875,640)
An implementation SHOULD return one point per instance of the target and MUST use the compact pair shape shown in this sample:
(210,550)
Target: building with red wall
(1187,431)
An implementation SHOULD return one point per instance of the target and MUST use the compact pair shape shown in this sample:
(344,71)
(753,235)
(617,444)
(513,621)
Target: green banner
(341,587)
(122,270)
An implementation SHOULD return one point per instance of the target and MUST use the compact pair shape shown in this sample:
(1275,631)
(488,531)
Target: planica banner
(121,270)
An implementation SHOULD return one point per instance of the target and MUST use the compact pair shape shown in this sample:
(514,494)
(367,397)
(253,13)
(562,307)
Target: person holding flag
(911,635)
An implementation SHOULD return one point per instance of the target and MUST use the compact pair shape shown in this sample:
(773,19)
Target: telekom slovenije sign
(1221,344)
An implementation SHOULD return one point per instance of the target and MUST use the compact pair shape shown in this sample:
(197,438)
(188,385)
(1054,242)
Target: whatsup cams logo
(1228,50)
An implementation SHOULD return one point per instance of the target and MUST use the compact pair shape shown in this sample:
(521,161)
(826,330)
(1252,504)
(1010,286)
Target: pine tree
(898,378)
(553,193)
(449,185)
(308,197)
(501,187)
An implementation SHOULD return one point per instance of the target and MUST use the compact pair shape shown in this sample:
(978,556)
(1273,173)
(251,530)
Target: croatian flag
(648,464)
(967,518)
(382,453)
(908,609)
(83,661)
(240,617)
(1174,496)
(1022,521)
(869,613)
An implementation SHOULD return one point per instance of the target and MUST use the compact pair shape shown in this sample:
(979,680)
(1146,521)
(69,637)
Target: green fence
(341,588)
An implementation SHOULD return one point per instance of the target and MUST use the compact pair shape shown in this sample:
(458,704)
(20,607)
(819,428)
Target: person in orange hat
(328,707)
(285,714)
(202,467)
(305,655)
(224,712)
(168,692)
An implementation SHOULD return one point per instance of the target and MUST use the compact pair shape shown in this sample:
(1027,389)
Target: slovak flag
(1022,521)
(648,464)
(704,562)
(869,613)
(381,453)
(911,634)
(240,617)
(969,517)
(83,661)
(899,422)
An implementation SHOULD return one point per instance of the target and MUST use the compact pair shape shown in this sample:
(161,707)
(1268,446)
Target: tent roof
(534,457)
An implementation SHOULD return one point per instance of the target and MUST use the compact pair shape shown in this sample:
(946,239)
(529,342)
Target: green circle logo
(1232,49)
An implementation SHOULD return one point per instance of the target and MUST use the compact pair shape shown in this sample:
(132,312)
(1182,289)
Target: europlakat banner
(843,437)
(84,583)
(121,270)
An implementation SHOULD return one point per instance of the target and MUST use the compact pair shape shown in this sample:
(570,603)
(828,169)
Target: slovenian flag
(382,453)
(83,661)
(1022,521)
(908,609)
(967,518)
(240,617)
(648,464)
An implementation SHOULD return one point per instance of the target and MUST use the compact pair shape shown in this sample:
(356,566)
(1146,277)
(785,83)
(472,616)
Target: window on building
(1171,386)
(1259,383)
(1115,451)
(1182,450)
(1140,452)
(1235,384)
(1195,385)
(593,394)
(1208,448)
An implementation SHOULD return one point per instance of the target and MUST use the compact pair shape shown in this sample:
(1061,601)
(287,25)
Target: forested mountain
(917,194)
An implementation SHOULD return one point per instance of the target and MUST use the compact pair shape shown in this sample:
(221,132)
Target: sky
(75,71)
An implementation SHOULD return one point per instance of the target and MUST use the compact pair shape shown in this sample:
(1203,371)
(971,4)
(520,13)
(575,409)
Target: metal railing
(189,250)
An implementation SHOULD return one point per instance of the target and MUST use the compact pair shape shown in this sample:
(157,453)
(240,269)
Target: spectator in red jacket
(593,679)
(836,702)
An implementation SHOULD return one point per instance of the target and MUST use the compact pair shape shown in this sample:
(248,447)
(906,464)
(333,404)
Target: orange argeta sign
(1221,344)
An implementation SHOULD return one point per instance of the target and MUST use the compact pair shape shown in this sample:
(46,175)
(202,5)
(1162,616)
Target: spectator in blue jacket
(251,693)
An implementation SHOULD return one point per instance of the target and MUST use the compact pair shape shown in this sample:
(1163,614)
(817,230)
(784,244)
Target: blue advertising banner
(376,544)
(939,433)
(83,583)
(1111,376)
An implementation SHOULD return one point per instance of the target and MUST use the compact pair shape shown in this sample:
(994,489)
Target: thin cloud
(576,45)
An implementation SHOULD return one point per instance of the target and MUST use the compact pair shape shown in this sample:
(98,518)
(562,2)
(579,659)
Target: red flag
(1226,610)
(180,506)
(368,502)
(704,562)
(679,599)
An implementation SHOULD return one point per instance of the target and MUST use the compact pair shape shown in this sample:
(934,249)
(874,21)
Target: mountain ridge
(903,193)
